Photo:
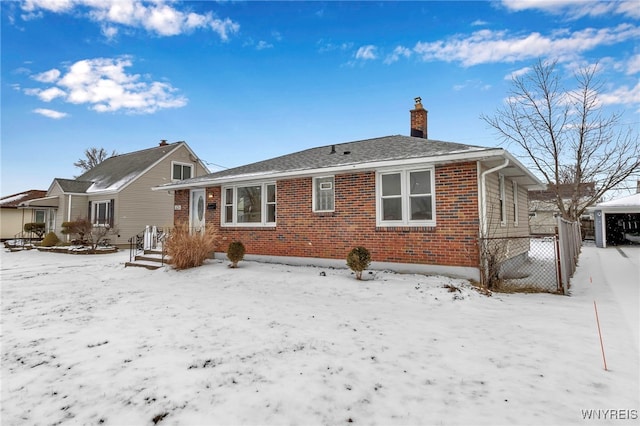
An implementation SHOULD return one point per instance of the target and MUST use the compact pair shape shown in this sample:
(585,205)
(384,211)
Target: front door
(196,220)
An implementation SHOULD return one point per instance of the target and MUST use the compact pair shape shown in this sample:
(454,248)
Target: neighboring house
(12,219)
(544,211)
(417,204)
(617,221)
(117,192)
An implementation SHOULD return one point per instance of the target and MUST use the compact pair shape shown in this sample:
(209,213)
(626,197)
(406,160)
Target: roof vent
(347,152)
(333,149)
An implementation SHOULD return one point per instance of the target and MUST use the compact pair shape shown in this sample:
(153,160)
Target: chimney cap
(418,101)
(163,142)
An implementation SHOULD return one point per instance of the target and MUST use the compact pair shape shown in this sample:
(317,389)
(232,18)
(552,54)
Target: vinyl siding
(509,247)
(138,206)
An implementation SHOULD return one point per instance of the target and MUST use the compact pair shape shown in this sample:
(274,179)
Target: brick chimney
(419,120)
(163,142)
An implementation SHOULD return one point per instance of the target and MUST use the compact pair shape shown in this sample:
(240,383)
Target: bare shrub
(187,249)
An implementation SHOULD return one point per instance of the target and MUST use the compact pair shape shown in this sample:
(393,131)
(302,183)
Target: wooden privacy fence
(569,243)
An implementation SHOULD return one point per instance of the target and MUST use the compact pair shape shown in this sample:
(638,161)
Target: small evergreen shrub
(187,249)
(50,240)
(235,253)
(358,260)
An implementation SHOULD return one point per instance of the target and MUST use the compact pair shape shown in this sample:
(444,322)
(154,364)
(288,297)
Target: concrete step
(151,259)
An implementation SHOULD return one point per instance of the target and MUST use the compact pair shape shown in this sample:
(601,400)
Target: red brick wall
(300,232)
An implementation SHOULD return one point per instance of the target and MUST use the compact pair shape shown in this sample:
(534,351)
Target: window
(251,205)
(515,202)
(503,212)
(180,171)
(323,194)
(101,213)
(40,216)
(406,198)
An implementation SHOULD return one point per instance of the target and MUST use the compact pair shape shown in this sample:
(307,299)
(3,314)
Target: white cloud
(621,96)
(479,23)
(47,76)
(517,73)
(109,31)
(105,86)
(324,46)
(577,8)
(57,6)
(633,65)
(397,53)
(51,93)
(487,46)
(50,113)
(224,27)
(367,52)
(159,16)
(263,45)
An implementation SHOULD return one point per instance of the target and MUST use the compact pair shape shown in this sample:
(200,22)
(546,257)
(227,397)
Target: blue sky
(246,81)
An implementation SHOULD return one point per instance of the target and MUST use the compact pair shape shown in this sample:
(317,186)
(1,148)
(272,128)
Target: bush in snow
(358,260)
(50,240)
(79,227)
(35,227)
(235,253)
(190,249)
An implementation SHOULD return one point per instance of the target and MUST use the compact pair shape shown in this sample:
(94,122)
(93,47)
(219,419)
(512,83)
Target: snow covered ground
(87,341)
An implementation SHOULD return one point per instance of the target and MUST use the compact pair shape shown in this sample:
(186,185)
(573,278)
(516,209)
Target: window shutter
(112,210)
(89,218)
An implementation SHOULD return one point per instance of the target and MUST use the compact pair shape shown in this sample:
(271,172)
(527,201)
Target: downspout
(483,219)
(483,191)
(69,214)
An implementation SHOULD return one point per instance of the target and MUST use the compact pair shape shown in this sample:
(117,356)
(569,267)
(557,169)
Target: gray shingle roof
(73,186)
(115,172)
(387,148)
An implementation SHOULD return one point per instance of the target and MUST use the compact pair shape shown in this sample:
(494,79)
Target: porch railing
(152,238)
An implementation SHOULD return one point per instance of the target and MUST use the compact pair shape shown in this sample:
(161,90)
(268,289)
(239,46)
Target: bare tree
(93,157)
(566,136)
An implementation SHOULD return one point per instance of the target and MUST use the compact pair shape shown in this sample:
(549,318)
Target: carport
(617,222)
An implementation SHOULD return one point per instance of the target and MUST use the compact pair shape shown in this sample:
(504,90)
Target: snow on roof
(628,201)
(15,199)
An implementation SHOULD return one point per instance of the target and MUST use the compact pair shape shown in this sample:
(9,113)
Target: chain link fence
(534,269)
(533,263)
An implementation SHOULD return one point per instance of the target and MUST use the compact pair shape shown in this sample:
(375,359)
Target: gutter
(202,182)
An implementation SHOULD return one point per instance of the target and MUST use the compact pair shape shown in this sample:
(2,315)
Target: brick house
(417,204)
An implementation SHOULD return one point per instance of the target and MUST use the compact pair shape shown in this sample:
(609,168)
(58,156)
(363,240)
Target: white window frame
(502,200)
(182,165)
(317,188)
(514,185)
(224,222)
(405,196)
(44,215)
(94,212)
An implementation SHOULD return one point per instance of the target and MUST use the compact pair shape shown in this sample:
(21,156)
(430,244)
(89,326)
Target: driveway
(612,273)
